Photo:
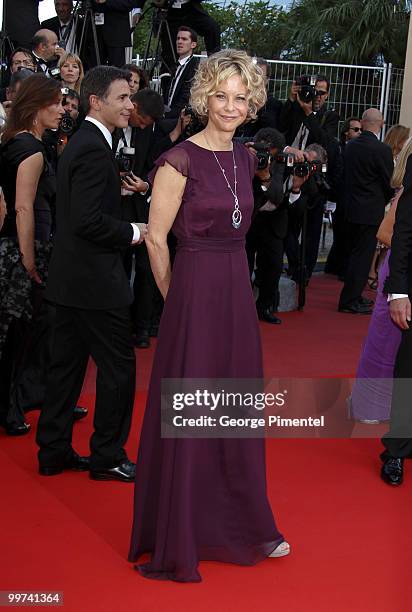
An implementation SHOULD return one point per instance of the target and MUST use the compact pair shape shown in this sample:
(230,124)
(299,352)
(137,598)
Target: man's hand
(299,155)
(294,90)
(180,127)
(143,232)
(307,107)
(298,181)
(134,183)
(31,270)
(59,51)
(264,175)
(400,310)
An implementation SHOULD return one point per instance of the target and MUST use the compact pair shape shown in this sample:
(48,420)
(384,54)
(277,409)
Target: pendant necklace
(237,213)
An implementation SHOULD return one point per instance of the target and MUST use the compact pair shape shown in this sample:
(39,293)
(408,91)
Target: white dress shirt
(107,134)
(178,75)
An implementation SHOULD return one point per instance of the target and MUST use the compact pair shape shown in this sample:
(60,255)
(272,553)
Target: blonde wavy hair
(75,58)
(400,166)
(220,67)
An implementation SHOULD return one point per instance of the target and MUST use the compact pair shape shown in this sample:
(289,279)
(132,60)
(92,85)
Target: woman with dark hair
(138,78)
(29,188)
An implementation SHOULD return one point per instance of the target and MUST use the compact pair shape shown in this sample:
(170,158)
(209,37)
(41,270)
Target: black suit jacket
(400,259)
(52,24)
(322,127)
(182,92)
(86,268)
(22,21)
(116,29)
(368,168)
(149,144)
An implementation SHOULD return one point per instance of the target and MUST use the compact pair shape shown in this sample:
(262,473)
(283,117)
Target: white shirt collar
(106,133)
(183,61)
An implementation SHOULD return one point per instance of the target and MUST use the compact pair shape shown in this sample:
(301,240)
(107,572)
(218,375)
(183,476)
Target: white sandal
(281,551)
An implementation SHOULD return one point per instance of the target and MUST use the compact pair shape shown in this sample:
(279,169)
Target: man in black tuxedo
(149,136)
(46,51)
(89,287)
(305,123)
(398,286)
(63,25)
(191,14)
(368,171)
(178,91)
(22,20)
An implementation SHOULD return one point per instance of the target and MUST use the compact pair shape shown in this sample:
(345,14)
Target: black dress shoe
(392,469)
(267,315)
(125,472)
(356,309)
(365,301)
(17,430)
(76,463)
(142,339)
(79,413)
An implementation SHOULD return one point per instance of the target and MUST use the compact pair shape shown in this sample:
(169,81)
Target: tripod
(153,49)
(5,44)
(88,22)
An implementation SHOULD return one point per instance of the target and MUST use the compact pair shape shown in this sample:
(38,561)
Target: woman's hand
(30,267)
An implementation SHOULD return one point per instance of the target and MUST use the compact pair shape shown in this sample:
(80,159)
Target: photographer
(312,203)
(63,25)
(304,118)
(264,240)
(146,137)
(46,51)
(22,20)
(178,91)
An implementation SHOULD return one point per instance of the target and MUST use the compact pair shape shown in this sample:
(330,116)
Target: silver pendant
(236,218)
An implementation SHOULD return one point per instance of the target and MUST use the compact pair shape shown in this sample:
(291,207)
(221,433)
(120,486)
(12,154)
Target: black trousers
(398,441)
(112,56)
(313,233)
(193,15)
(362,248)
(105,335)
(262,243)
(338,254)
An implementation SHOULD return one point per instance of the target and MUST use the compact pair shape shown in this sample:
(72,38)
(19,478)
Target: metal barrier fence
(353,89)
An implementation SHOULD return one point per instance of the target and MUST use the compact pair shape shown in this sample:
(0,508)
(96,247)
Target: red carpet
(351,535)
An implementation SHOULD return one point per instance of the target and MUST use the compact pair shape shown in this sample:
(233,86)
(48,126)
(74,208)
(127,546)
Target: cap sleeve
(22,147)
(177,157)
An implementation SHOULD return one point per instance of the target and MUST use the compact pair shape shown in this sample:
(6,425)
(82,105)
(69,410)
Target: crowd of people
(108,186)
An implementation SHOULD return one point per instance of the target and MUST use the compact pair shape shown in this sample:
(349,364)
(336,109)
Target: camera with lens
(195,125)
(124,159)
(263,154)
(306,84)
(301,169)
(55,73)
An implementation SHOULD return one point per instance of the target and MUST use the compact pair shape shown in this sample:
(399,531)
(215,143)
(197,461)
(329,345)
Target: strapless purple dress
(204,499)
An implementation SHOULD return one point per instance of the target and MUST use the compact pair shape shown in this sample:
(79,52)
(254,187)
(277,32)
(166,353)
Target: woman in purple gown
(371,397)
(205,499)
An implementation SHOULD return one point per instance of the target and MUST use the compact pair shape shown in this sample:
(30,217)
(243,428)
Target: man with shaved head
(368,172)
(46,50)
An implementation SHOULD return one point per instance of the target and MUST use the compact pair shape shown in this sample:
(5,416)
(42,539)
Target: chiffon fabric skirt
(202,499)
(372,392)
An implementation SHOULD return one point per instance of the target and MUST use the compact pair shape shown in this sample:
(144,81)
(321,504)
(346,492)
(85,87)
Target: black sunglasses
(356,129)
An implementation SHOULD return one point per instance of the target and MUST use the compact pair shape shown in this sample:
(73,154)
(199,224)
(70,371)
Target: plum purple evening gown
(204,499)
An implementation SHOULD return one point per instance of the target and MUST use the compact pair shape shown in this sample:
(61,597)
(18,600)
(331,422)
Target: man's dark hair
(271,137)
(322,77)
(21,50)
(150,103)
(97,82)
(73,94)
(193,34)
(345,128)
(37,40)
(19,77)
